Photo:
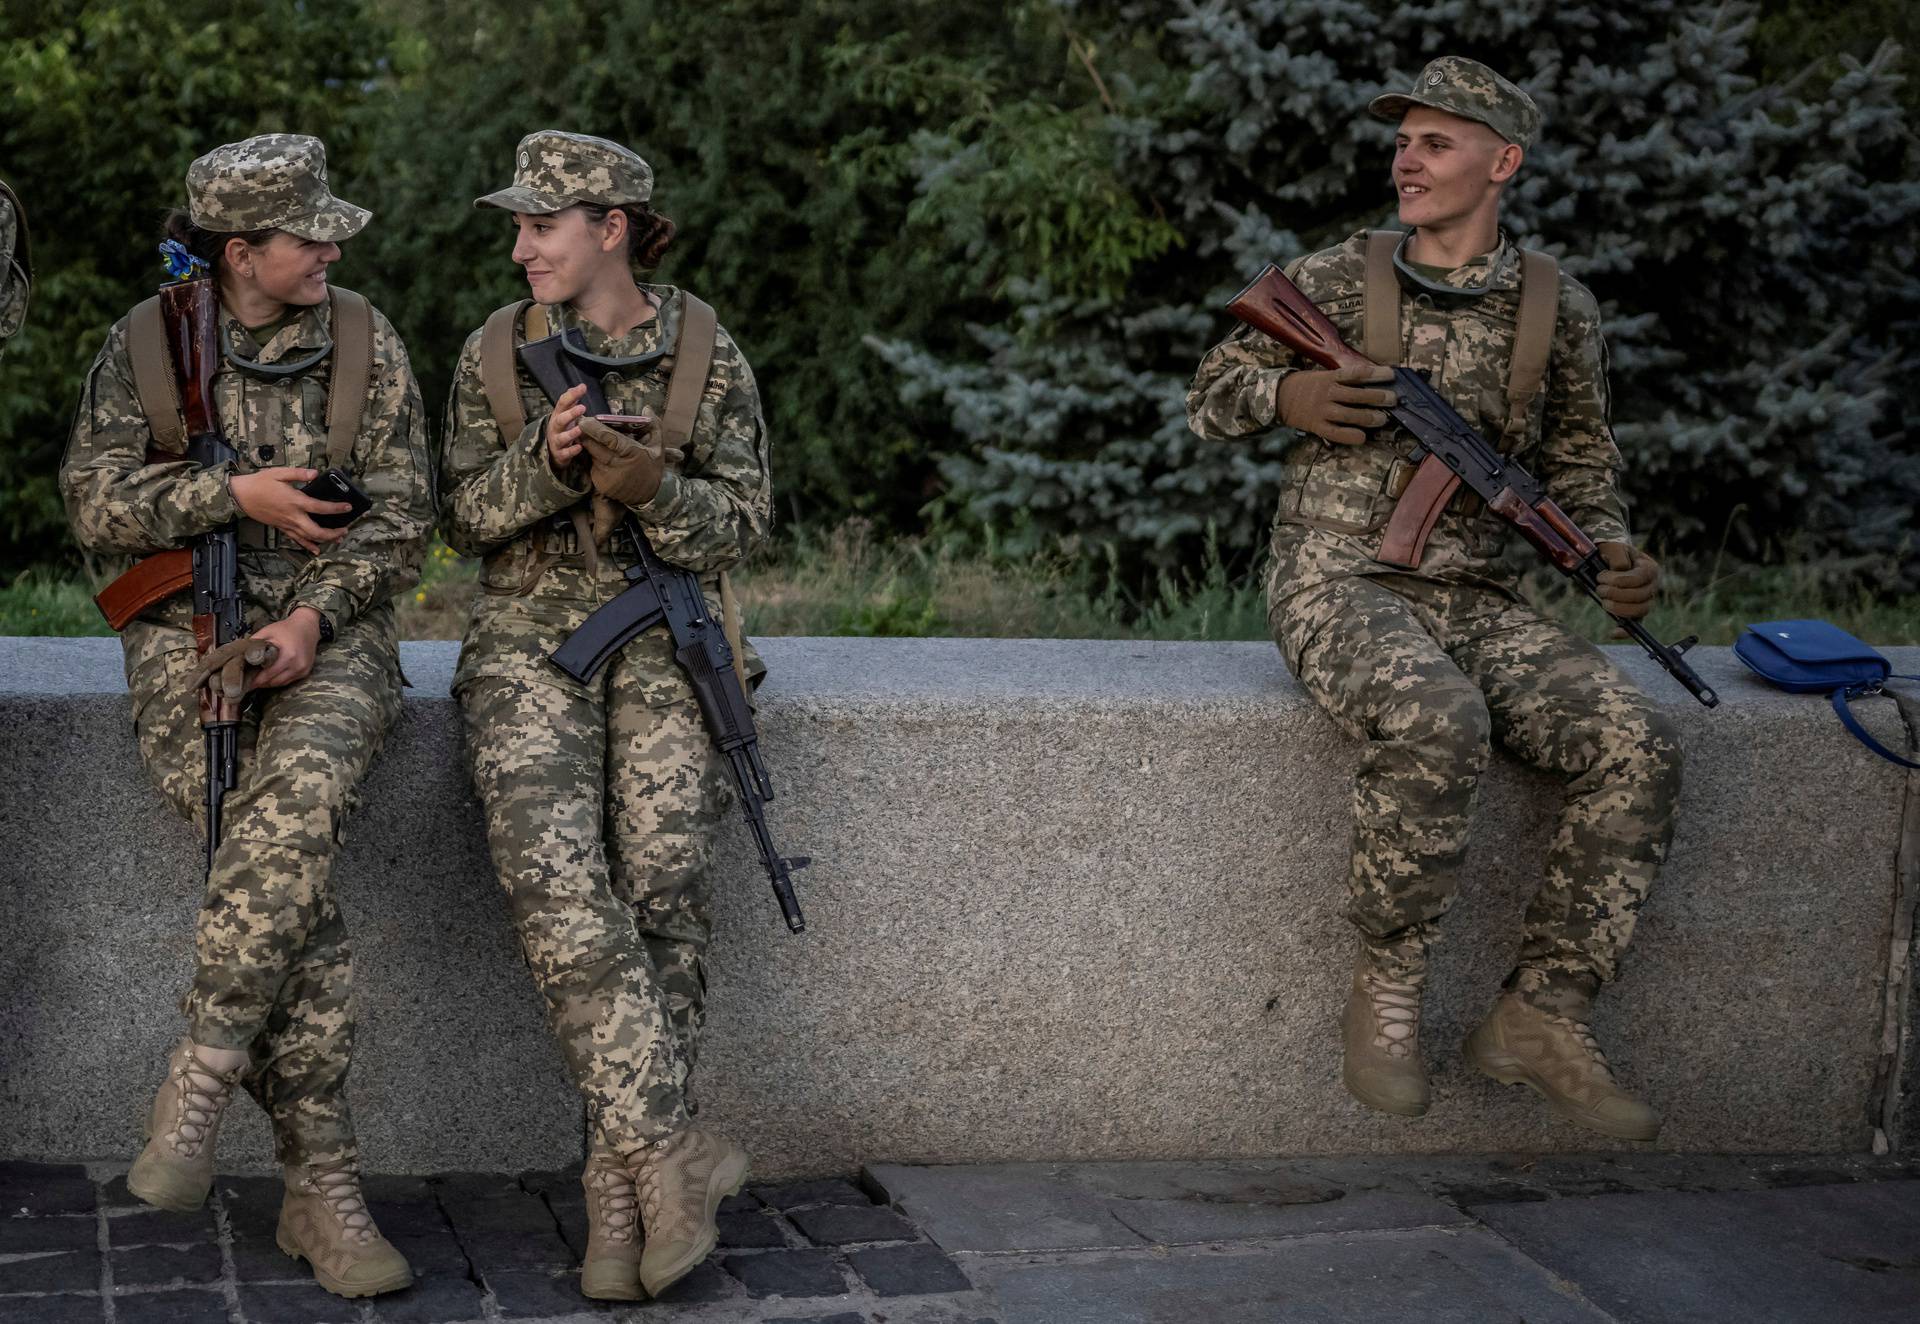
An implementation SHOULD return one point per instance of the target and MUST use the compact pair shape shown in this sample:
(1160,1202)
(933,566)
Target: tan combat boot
(324,1221)
(611,1270)
(1382,1067)
(682,1181)
(1557,1058)
(175,1170)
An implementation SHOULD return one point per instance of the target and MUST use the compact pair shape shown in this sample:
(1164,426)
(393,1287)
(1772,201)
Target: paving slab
(1805,1253)
(186,1307)
(58,1309)
(1033,1207)
(1466,1276)
(1003,1207)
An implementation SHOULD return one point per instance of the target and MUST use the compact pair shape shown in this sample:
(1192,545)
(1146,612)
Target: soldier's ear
(1506,162)
(239,255)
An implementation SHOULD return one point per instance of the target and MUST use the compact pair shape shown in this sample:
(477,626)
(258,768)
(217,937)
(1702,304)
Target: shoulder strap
(1532,338)
(153,377)
(352,376)
(692,360)
(499,379)
(1380,315)
(1841,700)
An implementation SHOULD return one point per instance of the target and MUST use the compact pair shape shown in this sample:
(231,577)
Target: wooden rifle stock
(1275,305)
(190,311)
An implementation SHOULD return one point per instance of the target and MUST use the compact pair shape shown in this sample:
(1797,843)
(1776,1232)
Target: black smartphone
(334,485)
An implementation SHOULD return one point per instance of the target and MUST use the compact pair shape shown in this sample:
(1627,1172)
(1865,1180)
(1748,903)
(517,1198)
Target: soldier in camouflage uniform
(602,800)
(16,277)
(269,1004)
(1429,667)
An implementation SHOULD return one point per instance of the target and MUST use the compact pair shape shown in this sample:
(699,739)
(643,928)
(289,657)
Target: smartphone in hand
(334,485)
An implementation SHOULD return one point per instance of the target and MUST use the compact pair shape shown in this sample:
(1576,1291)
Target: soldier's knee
(1446,723)
(1643,743)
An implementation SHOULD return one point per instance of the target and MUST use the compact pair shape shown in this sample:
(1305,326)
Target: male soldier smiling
(1429,667)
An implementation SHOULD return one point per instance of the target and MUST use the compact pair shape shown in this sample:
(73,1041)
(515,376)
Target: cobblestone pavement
(75,1246)
(1599,1239)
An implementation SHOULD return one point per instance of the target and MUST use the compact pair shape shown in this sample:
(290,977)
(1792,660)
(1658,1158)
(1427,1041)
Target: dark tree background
(973,250)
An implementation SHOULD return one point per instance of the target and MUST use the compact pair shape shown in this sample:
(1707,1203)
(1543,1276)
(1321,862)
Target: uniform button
(266,452)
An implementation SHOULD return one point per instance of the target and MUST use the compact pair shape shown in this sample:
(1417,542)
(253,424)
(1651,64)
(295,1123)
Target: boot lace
(1583,1035)
(647,1179)
(616,1200)
(339,1185)
(204,1095)
(1396,1013)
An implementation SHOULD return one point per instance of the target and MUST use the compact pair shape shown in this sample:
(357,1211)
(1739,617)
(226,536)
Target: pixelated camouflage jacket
(500,497)
(122,508)
(14,280)
(1335,499)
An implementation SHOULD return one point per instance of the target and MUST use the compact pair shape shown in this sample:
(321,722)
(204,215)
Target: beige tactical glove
(1335,403)
(228,671)
(625,473)
(1629,582)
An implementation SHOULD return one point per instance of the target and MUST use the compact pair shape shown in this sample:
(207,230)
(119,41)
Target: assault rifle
(1450,453)
(659,593)
(190,317)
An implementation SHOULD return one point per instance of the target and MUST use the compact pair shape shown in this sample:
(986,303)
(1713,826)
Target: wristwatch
(326,627)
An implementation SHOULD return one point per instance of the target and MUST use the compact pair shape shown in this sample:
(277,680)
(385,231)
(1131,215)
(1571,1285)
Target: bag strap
(1380,316)
(499,379)
(692,361)
(1532,337)
(351,378)
(153,379)
(1842,698)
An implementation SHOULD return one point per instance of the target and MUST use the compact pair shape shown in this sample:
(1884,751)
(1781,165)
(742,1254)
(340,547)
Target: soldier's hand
(626,469)
(1629,582)
(563,427)
(1336,403)
(273,497)
(296,639)
(233,668)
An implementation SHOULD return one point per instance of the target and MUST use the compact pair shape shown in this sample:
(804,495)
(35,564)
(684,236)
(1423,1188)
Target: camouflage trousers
(273,974)
(1429,675)
(601,815)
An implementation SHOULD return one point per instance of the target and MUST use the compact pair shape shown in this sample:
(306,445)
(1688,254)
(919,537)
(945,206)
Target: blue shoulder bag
(1815,657)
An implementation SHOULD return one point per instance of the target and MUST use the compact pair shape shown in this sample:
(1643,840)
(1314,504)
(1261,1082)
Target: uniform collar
(646,340)
(1497,270)
(298,345)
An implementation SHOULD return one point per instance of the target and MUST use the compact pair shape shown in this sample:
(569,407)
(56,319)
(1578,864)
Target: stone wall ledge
(1070,900)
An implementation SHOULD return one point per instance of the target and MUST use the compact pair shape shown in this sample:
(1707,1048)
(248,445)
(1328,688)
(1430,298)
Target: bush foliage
(974,250)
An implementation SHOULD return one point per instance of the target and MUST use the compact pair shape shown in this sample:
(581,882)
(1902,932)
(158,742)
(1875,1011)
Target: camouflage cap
(1470,90)
(554,170)
(274,181)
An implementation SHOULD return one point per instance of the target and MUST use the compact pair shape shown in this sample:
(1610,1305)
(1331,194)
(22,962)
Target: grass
(849,583)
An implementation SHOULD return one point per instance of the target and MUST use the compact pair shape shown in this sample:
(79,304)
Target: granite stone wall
(1070,900)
